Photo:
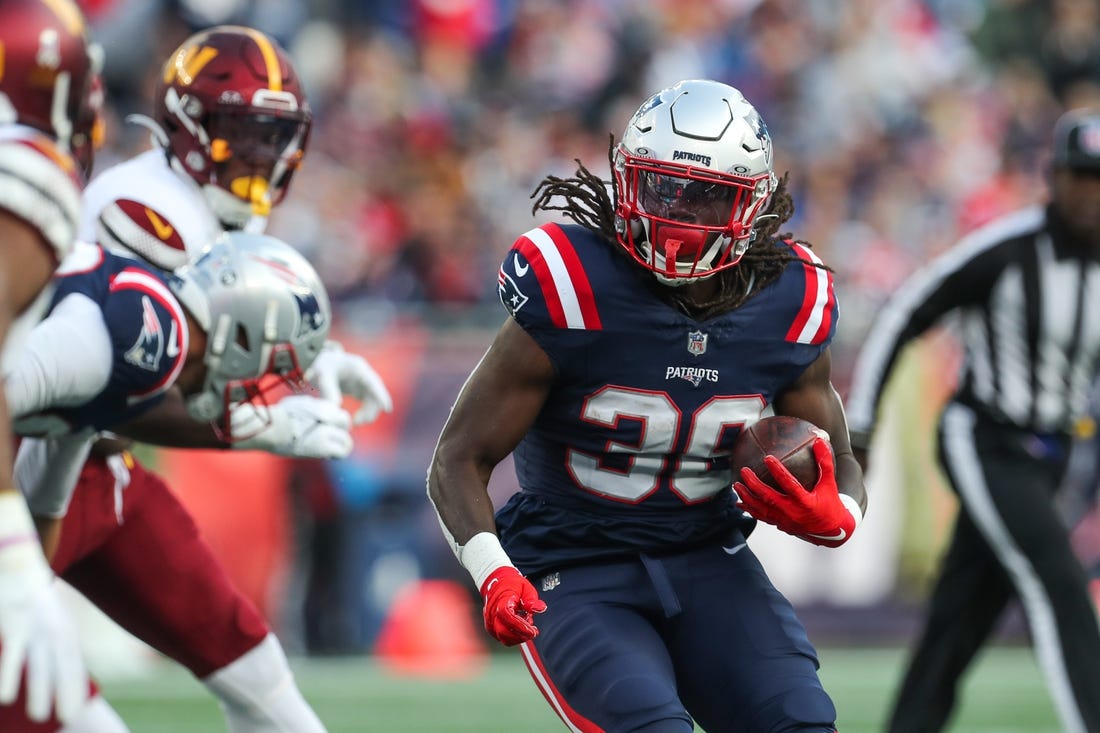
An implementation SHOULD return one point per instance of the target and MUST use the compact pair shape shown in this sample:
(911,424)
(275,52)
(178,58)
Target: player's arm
(298,426)
(495,408)
(168,424)
(814,398)
(28,263)
(65,361)
(34,626)
(961,277)
(828,512)
(26,268)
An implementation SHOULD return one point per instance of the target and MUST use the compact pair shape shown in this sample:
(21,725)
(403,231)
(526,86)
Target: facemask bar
(283,375)
(262,150)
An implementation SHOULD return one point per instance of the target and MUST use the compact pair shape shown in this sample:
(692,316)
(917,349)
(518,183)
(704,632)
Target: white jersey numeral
(693,478)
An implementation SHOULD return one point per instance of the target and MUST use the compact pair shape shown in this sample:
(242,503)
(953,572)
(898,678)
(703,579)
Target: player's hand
(298,426)
(510,603)
(36,631)
(816,515)
(336,373)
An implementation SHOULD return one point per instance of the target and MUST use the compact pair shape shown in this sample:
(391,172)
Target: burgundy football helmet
(234,118)
(46,72)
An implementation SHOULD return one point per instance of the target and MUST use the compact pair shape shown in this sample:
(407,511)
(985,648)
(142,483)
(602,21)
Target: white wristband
(853,508)
(482,555)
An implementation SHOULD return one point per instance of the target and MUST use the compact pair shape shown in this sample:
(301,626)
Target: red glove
(820,515)
(510,602)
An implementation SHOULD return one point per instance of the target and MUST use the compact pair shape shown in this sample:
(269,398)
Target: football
(790,439)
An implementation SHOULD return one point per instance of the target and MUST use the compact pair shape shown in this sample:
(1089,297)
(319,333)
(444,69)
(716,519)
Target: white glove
(336,373)
(35,628)
(298,426)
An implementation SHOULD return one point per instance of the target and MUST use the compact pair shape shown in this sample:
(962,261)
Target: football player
(48,115)
(230,126)
(641,339)
(238,325)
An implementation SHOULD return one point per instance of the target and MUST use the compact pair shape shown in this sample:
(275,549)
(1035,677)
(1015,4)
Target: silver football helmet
(693,173)
(266,315)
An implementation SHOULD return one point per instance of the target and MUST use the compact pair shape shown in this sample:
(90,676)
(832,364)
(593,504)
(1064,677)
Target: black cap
(1077,140)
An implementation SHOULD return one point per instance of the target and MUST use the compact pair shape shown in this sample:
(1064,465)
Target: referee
(1026,289)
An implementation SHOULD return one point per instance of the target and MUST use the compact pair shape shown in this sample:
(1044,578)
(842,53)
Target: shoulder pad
(543,281)
(40,184)
(142,207)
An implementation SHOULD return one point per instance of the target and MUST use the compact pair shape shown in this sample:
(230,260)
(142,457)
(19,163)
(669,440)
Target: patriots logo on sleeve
(558,284)
(148,364)
(149,347)
(510,294)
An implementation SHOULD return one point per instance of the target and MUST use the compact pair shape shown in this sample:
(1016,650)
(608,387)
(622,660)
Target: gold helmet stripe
(271,60)
(68,13)
(186,64)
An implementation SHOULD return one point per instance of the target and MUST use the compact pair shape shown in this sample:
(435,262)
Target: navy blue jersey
(148,334)
(630,452)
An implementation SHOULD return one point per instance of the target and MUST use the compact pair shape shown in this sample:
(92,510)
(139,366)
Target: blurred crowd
(902,123)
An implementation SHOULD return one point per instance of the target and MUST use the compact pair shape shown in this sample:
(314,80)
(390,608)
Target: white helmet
(266,315)
(693,173)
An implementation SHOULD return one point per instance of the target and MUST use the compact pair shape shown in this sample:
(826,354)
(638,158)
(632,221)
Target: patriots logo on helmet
(149,347)
(651,103)
(763,136)
(310,316)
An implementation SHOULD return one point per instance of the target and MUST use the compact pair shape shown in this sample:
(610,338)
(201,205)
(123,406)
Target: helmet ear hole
(242,339)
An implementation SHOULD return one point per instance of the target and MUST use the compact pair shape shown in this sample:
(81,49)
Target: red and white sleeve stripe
(561,276)
(815,317)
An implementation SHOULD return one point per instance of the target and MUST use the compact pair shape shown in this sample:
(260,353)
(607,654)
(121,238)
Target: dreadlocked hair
(587,202)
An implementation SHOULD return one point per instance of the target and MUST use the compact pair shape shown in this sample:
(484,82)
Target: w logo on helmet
(310,315)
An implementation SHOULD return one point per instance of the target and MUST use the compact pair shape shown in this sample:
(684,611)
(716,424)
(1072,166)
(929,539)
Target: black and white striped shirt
(1029,305)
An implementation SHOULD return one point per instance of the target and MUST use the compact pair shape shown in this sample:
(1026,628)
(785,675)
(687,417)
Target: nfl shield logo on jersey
(551,581)
(697,343)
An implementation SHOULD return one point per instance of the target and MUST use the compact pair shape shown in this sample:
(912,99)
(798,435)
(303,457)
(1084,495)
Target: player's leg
(598,659)
(1012,503)
(742,657)
(93,513)
(969,595)
(159,580)
(259,695)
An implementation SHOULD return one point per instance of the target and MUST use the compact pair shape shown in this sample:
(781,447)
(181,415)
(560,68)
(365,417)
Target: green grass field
(1004,694)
